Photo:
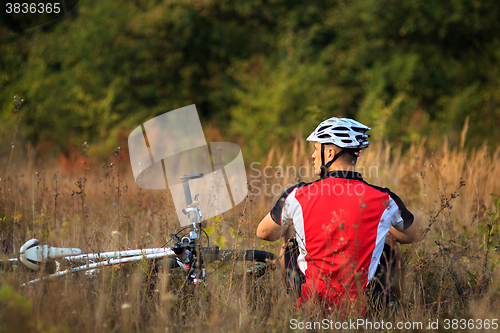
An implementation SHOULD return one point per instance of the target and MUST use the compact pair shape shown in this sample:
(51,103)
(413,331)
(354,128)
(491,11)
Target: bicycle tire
(262,261)
(254,263)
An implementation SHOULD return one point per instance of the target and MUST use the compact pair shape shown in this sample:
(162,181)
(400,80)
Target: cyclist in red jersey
(340,225)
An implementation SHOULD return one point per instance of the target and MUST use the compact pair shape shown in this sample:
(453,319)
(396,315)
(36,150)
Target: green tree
(257,68)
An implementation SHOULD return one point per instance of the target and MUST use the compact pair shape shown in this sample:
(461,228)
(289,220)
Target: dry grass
(451,274)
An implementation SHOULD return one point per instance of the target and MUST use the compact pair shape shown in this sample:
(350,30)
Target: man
(339,223)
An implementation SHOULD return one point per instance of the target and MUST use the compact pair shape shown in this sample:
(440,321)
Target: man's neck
(342,167)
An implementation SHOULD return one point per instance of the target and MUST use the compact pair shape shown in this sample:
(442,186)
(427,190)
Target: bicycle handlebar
(191,176)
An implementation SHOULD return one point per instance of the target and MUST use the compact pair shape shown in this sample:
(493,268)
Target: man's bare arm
(410,235)
(270,230)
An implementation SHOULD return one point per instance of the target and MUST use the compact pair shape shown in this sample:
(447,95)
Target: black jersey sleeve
(278,207)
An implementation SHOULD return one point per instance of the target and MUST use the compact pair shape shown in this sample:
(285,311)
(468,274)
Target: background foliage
(259,70)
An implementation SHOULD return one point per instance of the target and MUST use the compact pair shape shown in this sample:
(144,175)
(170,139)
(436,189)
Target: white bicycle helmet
(343,132)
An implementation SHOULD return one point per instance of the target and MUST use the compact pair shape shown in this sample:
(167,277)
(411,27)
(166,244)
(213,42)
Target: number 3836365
(32,8)
(455,324)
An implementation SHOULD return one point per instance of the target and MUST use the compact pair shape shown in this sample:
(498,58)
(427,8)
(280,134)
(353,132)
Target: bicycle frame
(187,252)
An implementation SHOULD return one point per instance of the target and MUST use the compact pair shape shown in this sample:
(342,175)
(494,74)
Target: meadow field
(448,279)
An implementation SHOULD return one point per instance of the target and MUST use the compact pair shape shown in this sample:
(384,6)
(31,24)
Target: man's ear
(330,152)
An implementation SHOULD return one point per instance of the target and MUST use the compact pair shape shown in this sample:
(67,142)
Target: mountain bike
(186,255)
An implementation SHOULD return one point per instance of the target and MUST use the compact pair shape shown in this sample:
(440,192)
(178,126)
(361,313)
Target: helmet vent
(324,136)
(346,141)
(359,129)
(341,129)
(342,135)
(323,128)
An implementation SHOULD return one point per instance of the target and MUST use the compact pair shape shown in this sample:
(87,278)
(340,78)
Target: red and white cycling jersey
(341,223)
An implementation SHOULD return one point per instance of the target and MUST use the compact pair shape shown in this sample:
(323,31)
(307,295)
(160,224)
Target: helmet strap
(322,154)
(323,168)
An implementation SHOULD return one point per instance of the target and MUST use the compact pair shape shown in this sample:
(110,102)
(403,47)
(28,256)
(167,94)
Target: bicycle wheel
(252,262)
(225,264)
